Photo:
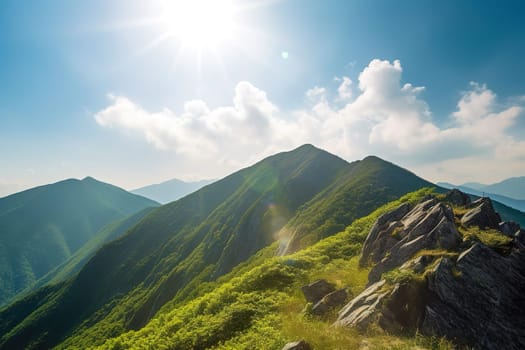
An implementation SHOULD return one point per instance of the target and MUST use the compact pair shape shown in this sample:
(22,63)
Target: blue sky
(104,88)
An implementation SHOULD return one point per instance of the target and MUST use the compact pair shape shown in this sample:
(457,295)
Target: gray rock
(317,290)
(330,301)
(429,225)
(297,345)
(396,308)
(457,197)
(482,215)
(363,309)
(509,228)
(478,301)
(380,237)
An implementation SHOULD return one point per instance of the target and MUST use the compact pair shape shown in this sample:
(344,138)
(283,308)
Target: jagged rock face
(473,295)
(482,215)
(478,300)
(315,291)
(400,234)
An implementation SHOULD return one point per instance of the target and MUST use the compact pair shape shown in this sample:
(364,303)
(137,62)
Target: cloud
(316,93)
(381,116)
(345,89)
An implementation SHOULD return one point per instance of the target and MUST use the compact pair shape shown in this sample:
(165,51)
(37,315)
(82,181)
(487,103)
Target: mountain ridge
(203,236)
(41,227)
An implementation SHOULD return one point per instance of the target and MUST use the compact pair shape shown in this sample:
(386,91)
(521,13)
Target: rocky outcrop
(467,292)
(392,241)
(482,215)
(479,299)
(315,291)
(330,301)
(457,197)
(297,345)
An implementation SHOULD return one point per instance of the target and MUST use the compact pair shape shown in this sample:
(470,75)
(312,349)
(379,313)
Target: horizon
(234,171)
(133,94)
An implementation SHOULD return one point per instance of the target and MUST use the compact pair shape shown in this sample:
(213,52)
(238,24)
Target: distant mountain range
(171,190)
(481,191)
(513,187)
(42,227)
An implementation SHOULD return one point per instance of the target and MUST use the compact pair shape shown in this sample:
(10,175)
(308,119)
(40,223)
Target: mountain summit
(43,226)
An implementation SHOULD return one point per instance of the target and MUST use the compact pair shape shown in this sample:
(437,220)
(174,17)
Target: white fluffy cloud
(382,116)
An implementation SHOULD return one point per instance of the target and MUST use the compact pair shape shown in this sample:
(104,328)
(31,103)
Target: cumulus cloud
(382,116)
(344,90)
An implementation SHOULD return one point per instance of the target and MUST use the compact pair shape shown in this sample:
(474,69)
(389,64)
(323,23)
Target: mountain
(171,190)
(510,202)
(513,187)
(182,247)
(41,228)
(75,262)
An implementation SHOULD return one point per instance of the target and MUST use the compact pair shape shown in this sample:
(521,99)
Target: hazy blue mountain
(518,204)
(42,227)
(171,190)
(513,187)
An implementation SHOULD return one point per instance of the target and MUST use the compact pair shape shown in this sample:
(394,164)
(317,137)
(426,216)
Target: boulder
(297,345)
(457,197)
(509,228)
(317,290)
(330,301)
(482,215)
(363,309)
(398,308)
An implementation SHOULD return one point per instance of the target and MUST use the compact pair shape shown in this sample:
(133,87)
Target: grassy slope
(42,227)
(259,306)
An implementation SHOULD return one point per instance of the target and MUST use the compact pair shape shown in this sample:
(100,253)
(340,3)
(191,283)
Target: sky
(138,92)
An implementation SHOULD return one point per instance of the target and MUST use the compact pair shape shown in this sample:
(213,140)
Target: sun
(199,23)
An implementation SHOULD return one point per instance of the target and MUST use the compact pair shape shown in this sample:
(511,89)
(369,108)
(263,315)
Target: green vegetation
(44,226)
(489,237)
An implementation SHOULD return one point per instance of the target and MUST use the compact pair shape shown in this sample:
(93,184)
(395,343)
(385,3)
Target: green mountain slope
(42,227)
(76,261)
(171,190)
(367,184)
(173,251)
